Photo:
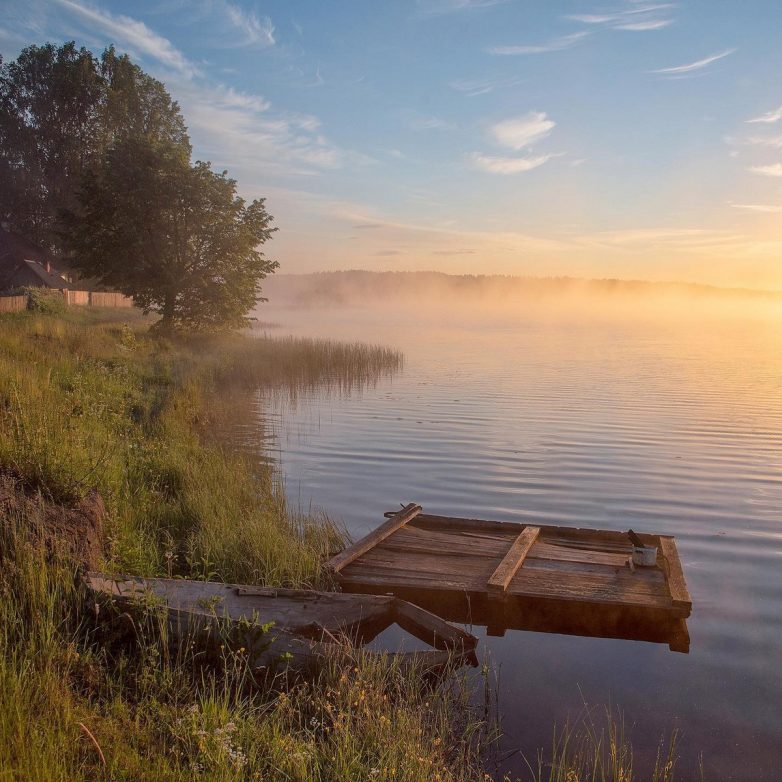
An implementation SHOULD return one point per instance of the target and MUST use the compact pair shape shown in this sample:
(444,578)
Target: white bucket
(645,556)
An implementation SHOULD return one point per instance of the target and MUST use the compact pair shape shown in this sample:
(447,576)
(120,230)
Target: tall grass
(72,709)
(595,748)
(87,403)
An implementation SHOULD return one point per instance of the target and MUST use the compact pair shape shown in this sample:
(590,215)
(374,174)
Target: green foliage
(174,236)
(60,109)
(45,300)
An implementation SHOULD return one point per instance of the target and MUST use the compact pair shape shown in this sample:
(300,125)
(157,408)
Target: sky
(588,138)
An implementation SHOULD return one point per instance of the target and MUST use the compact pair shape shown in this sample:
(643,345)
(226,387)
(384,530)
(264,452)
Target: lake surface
(669,424)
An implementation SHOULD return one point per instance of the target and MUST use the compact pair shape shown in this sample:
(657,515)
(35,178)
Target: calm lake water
(668,423)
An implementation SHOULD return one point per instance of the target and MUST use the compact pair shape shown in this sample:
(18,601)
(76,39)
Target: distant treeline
(349,287)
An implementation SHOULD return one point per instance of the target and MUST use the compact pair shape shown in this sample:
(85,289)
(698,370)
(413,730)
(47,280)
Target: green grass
(87,402)
(102,405)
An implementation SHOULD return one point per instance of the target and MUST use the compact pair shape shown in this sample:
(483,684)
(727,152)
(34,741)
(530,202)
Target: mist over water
(660,410)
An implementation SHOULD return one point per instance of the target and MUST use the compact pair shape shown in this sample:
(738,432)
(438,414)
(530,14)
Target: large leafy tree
(60,110)
(175,236)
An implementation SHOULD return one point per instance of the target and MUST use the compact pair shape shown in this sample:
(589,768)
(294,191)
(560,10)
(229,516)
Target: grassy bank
(87,404)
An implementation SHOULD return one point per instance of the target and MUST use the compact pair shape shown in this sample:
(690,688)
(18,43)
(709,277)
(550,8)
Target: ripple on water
(673,430)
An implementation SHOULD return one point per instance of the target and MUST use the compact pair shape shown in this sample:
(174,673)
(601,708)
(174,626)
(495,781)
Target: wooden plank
(335,564)
(412,539)
(560,553)
(512,528)
(513,560)
(430,628)
(680,595)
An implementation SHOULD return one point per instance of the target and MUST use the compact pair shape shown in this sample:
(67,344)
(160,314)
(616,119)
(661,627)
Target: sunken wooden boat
(275,627)
(523,576)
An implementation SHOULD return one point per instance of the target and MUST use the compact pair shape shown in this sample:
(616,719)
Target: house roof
(51,279)
(18,255)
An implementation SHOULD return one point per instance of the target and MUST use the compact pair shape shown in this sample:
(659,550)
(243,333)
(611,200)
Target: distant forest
(341,288)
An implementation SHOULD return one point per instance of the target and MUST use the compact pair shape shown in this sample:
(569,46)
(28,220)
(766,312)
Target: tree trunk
(169,304)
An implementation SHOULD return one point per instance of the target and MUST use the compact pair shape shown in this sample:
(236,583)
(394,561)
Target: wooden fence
(74,298)
(13,303)
(109,299)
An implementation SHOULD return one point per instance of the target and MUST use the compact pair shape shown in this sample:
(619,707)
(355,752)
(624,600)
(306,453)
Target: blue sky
(619,138)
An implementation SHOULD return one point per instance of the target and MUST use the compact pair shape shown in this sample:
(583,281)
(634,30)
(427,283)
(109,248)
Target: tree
(176,237)
(60,110)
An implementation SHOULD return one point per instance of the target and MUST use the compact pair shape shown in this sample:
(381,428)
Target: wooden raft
(522,576)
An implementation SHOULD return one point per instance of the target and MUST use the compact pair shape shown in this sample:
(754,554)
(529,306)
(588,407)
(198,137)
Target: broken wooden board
(519,576)
(274,625)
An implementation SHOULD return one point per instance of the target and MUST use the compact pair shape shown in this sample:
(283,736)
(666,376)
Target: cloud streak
(553,45)
(444,7)
(256,29)
(694,66)
(508,165)
(767,208)
(474,87)
(768,118)
(140,40)
(772,170)
(637,18)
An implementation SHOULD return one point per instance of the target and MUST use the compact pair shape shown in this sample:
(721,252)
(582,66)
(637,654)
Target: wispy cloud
(238,130)
(652,24)
(768,118)
(771,142)
(508,165)
(139,39)
(517,133)
(443,7)
(244,132)
(553,45)
(775,142)
(679,239)
(773,170)
(759,207)
(474,87)
(521,132)
(635,18)
(423,122)
(694,66)
(256,29)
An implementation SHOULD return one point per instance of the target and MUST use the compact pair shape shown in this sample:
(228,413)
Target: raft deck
(522,576)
